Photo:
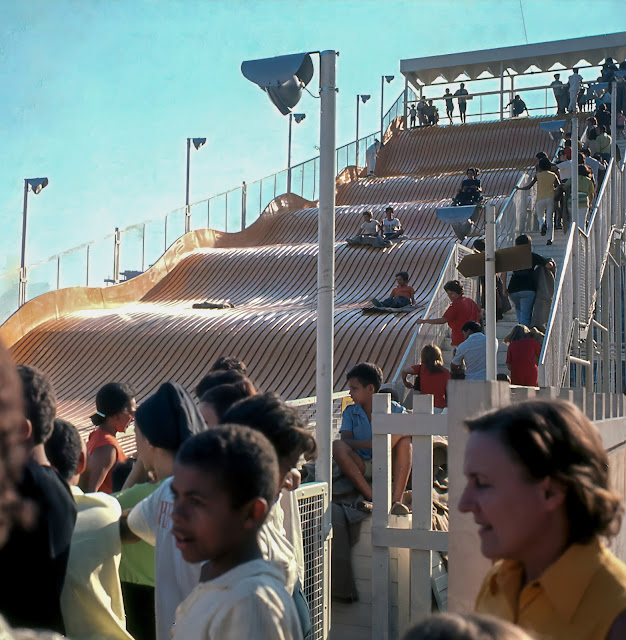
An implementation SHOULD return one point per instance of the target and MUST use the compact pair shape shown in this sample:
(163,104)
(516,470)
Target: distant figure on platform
(412,115)
(518,106)
(371,155)
(522,357)
(392,227)
(449,104)
(471,190)
(431,113)
(460,95)
(420,112)
(574,82)
(401,296)
(560,94)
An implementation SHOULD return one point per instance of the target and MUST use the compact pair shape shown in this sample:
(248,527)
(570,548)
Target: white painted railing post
(422,498)
(381,497)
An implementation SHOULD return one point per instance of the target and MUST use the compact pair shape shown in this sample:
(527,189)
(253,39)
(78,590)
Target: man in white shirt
(592,163)
(575,82)
(472,351)
(91,600)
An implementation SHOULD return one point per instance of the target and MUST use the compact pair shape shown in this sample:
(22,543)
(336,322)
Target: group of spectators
(200,538)
(427,114)
(572,95)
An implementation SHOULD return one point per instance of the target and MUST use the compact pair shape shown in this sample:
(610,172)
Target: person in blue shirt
(353,452)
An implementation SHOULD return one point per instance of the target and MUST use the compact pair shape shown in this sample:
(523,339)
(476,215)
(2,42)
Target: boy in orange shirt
(401,296)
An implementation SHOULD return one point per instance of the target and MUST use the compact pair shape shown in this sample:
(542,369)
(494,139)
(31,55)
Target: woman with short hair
(538,488)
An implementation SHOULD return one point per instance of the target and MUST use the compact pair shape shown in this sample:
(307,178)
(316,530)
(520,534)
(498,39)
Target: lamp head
(37,184)
(198,142)
(364,98)
(389,78)
(299,117)
(282,78)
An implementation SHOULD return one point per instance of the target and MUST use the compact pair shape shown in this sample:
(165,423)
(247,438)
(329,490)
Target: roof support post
(501,90)
(405,109)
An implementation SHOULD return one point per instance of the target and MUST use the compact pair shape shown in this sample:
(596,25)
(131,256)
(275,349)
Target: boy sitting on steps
(353,453)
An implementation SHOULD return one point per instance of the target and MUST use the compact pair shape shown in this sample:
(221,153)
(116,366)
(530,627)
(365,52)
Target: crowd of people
(199,538)
(424,112)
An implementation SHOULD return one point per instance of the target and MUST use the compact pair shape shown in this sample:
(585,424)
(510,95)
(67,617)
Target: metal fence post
(244,196)
(87,267)
(58,272)
(143,248)
(117,240)
(226,211)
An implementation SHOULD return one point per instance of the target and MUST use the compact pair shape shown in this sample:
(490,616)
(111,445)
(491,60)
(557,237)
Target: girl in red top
(432,374)
(115,410)
(522,357)
(461,310)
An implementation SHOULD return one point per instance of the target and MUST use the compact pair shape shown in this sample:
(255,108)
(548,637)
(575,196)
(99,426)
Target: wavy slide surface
(145,332)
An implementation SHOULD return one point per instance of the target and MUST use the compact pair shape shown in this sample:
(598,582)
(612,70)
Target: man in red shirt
(461,310)
(401,296)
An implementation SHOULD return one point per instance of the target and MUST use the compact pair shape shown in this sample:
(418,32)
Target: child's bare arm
(126,535)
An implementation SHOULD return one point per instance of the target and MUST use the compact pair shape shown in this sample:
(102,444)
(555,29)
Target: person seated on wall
(471,191)
(401,296)
(392,227)
(353,452)
(369,233)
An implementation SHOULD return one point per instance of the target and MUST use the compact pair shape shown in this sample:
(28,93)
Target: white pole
(501,91)
(613,177)
(187,211)
(289,155)
(382,95)
(490,291)
(326,270)
(574,165)
(23,277)
(357,130)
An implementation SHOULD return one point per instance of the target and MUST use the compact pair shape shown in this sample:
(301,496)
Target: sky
(100,95)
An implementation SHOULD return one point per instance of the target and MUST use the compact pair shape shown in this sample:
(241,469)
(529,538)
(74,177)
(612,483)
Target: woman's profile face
(511,510)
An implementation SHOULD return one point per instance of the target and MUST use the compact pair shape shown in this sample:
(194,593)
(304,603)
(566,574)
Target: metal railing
(587,287)
(435,333)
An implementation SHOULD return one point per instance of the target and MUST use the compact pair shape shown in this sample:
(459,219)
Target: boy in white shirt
(224,483)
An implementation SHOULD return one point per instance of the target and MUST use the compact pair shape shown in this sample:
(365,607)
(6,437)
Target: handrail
(558,292)
(443,277)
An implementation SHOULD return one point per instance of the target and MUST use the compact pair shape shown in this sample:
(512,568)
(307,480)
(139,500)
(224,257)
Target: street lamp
(363,98)
(36,185)
(298,117)
(383,79)
(197,143)
(283,78)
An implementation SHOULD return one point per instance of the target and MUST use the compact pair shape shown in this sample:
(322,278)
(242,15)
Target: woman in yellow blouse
(537,486)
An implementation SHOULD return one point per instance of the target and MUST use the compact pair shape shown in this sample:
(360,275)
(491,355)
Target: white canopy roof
(544,55)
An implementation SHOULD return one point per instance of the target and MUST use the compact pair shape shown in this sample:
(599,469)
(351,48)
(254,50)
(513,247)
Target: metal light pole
(364,98)
(383,79)
(490,291)
(36,185)
(197,143)
(298,117)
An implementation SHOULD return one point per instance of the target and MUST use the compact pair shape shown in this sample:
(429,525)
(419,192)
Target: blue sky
(100,95)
